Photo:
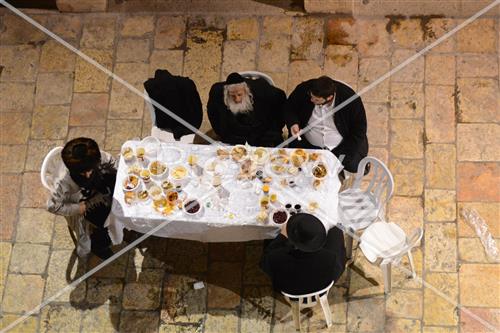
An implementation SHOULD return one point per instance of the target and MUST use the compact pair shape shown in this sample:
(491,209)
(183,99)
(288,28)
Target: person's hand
(82,207)
(283,230)
(295,129)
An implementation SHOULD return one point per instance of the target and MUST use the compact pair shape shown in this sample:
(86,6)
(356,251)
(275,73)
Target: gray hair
(247,103)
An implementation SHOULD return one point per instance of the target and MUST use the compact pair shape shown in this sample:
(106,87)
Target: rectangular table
(222,220)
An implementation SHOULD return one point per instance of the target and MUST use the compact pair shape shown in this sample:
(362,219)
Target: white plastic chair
(385,244)
(360,207)
(162,134)
(254,74)
(298,302)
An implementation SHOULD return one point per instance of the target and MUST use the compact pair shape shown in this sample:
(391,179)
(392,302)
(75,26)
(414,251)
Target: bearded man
(244,110)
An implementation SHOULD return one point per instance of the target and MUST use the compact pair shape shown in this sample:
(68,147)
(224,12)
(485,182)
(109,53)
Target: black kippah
(79,151)
(234,78)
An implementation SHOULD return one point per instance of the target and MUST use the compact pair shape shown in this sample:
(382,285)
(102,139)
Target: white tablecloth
(225,221)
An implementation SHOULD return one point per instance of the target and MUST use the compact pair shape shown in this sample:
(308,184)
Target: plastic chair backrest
(255,74)
(52,166)
(381,180)
(150,107)
(308,300)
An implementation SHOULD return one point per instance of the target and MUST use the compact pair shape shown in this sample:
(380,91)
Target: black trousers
(99,239)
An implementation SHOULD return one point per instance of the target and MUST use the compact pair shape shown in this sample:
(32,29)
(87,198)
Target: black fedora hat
(306,232)
(234,78)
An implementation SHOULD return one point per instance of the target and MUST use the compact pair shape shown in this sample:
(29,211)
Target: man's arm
(265,262)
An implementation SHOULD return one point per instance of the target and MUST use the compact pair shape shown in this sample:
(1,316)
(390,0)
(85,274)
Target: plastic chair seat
(382,240)
(358,208)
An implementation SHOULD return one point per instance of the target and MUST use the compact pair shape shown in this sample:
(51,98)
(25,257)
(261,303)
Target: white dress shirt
(324,133)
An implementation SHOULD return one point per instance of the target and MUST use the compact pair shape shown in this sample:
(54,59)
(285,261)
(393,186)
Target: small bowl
(319,165)
(278,210)
(193,210)
(158,169)
(128,154)
(131,183)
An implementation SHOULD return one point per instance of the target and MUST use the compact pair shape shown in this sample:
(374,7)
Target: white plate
(222,167)
(171,155)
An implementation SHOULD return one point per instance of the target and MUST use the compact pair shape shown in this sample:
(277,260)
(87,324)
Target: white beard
(245,106)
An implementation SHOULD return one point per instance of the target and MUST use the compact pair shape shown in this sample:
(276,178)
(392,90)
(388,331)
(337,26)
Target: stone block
(182,303)
(377,116)
(478,142)
(56,58)
(88,110)
(16,97)
(29,258)
(435,29)
(170,60)
(137,25)
(16,30)
(62,239)
(407,138)
(274,53)
(170,32)
(406,33)
(37,150)
(477,65)
(224,285)
(257,303)
(54,88)
(82,6)
(404,304)
(440,205)
(16,299)
(98,32)
(407,100)
(221,321)
(103,319)
(307,39)
(33,194)
(408,176)
(15,128)
(367,315)
(96,133)
(470,250)
(468,41)
(374,39)
(277,25)
(302,70)
(440,69)
(478,100)
(407,212)
(19,63)
(411,72)
(252,274)
(440,166)
(12,158)
(30,325)
(60,318)
(68,27)
(35,219)
(341,31)
(440,114)
(132,50)
(238,56)
(133,73)
(89,78)
(56,278)
(484,275)
(136,321)
(469,324)
(437,310)
(371,69)
(440,247)
(403,325)
(478,182)
(488,211)
(9,196)
(245,28)
(5,250)
(341,63)
(125,104)
(50,122)
(143,294)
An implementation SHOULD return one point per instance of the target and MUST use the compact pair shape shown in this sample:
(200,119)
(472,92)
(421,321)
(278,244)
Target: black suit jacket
(296,272)
(350,120)
(264,125)
(179,95)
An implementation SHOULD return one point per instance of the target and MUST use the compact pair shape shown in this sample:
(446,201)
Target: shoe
(104,253)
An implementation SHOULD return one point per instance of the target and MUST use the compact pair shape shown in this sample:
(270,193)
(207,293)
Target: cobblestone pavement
(435,123)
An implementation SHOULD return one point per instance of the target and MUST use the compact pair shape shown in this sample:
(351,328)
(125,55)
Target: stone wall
(79,6)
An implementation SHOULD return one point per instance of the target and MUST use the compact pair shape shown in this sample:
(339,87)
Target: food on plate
(319,171)
(262,216)
(157,168)
(167,210)
(277,168)
(140,152)
(211,166)
(128,153)
(172,197)
(192,160)
(129,197)
(145,176)
(280,216)
(260,155)
(166,185)
(238,152)
(179,172)
(247,169)
(160,202)
(279,159)
(222,153)
(313,205)
(267,180)
(192,206)
(282,152)
(299,156)
(143,195)
(134,169)
(313,157)
(293,170)
(264,201)
(130,183)
(316,184)
(155,192)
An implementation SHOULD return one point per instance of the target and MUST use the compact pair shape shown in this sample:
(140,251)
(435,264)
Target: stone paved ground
(435,123)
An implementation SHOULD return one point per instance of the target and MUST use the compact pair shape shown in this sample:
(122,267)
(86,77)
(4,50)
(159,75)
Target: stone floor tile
(5,250)
(478,100)
(370,69)
(440,161)
(19,63)
(125,104)
(436,28)
(408,176)
(37,150)
(56,58)
(437,310)
(116,269)
(196,263)
(337,299)
(15,128)
(302,70)
(132,50)
(61,239)
(119,131)
(282,316)
(277,25)
(366,315)
(98,32)
(16,299)
(341,62)
(96,133)
(488,211)
(439,329)
(440,69)
(103,319)
(33,194)
(227,252)
(66,26)
(373,37)
(407,138)
(50,122)
(170,32)
(28,326)
(377,116)
(137,25)
(477,65)
(133,73)
(103,290)
(170,60)
(468,324)
(29,258)
(224,285)
(407,212)
(139,321)
(274,53)
(151,257)
(88,110)
(412,72)
(404,304)
(307,38)
(440,247)
(484,275)
(406,33)
(440,205)
(468,41)
(12,158)
(38,219)
(180,328)
(365,279)
(403,325)
(54,88)
(60,318)
(238,55)
(143,293)
(252,274)
(380,153)
(478,142)
(9,197)
(256,309)
(61,264)
(16,97)
(18,31)
(407,100)
(181,302)
(439,114)
(221,321)
(341,31)
(245,28)
(89,78)
(471,250)
(478,181)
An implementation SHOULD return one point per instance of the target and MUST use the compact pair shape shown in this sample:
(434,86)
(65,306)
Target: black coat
(262,127)
(179,95)
(350,120)
(296,272)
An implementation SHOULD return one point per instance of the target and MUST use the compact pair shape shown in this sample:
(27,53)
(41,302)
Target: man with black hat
(246,110)
(304,258)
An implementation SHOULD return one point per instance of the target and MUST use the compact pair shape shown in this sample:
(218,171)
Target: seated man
(344,132)
(304,258)
(245,110)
